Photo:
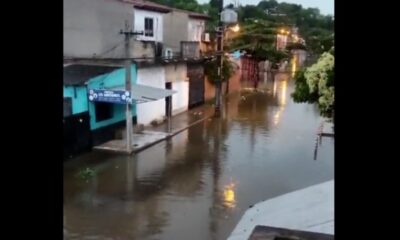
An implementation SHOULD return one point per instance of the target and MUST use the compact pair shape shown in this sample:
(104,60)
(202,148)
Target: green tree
(316,84)
(255,34)
(258,37)
(211,70)
(314,27)
(268,4)
(251,12)
(302,91)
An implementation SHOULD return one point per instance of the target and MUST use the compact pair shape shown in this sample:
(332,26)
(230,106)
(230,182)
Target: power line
(111,49)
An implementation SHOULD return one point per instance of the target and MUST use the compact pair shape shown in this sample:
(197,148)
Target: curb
(168,136)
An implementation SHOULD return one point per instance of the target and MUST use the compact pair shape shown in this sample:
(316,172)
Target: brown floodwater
(198,184)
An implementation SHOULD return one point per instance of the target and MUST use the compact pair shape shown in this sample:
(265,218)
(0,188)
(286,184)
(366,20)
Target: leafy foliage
(86,174)
(302,91)
(316,84)
(211,70)
(315,28)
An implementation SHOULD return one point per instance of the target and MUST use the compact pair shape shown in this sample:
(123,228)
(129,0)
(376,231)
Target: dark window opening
(103,110)
(148,27)
(67,106)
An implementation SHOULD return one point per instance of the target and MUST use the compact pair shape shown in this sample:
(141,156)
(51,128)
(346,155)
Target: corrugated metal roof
(79,74)
(143,93)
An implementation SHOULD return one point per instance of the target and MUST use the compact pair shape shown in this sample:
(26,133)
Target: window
(148,27)
(67,106)
(103,110)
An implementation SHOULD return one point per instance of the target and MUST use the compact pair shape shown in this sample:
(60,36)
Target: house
(89,123)
(178,34)
(166,54)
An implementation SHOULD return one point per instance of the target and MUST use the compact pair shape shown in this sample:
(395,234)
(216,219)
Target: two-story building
(164,55)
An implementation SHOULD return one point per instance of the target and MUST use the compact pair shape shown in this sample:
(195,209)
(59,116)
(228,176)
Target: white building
(150,22)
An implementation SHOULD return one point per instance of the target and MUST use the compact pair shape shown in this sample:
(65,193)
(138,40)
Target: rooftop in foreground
(309,210)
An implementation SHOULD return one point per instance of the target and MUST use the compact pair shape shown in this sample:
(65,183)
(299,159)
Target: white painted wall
(196,28)
(177,75)
(140,15)
(180,100)
(153,77)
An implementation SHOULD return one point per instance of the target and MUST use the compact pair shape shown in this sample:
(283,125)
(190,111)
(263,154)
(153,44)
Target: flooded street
(198,184)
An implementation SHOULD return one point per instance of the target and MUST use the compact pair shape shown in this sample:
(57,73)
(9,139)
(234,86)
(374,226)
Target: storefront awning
(143,93)
(139,94)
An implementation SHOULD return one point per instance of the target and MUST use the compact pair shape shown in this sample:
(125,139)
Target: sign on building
(110,96)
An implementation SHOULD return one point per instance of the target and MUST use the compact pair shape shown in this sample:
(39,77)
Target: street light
(284,32)
(227,16)
(235,28)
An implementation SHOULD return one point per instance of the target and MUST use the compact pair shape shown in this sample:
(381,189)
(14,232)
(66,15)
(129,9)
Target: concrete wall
(195,28)
(140,15)
(175,29)
(153,77)
(111,80)
(234,81)
(177,74)
(190,49)
(78,94)
(92,26)
(142,49)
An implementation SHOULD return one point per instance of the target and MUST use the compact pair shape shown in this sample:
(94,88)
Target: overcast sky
(325,6)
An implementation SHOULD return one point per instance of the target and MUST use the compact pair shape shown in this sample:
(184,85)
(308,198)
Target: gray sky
(325,6)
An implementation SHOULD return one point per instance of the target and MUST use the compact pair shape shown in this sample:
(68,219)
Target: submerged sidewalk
(155,134)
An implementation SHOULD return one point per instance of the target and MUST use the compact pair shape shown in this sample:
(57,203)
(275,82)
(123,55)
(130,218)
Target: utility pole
(219,60)
(128,63)
(224,30)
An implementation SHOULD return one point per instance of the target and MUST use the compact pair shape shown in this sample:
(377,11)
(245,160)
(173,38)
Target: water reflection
(280,86)
(198,184)
(277,116)
(283,92)
(294,64)
(229,196)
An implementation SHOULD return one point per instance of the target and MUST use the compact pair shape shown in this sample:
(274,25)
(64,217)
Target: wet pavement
(198,184)
(154,134)
(140,141)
